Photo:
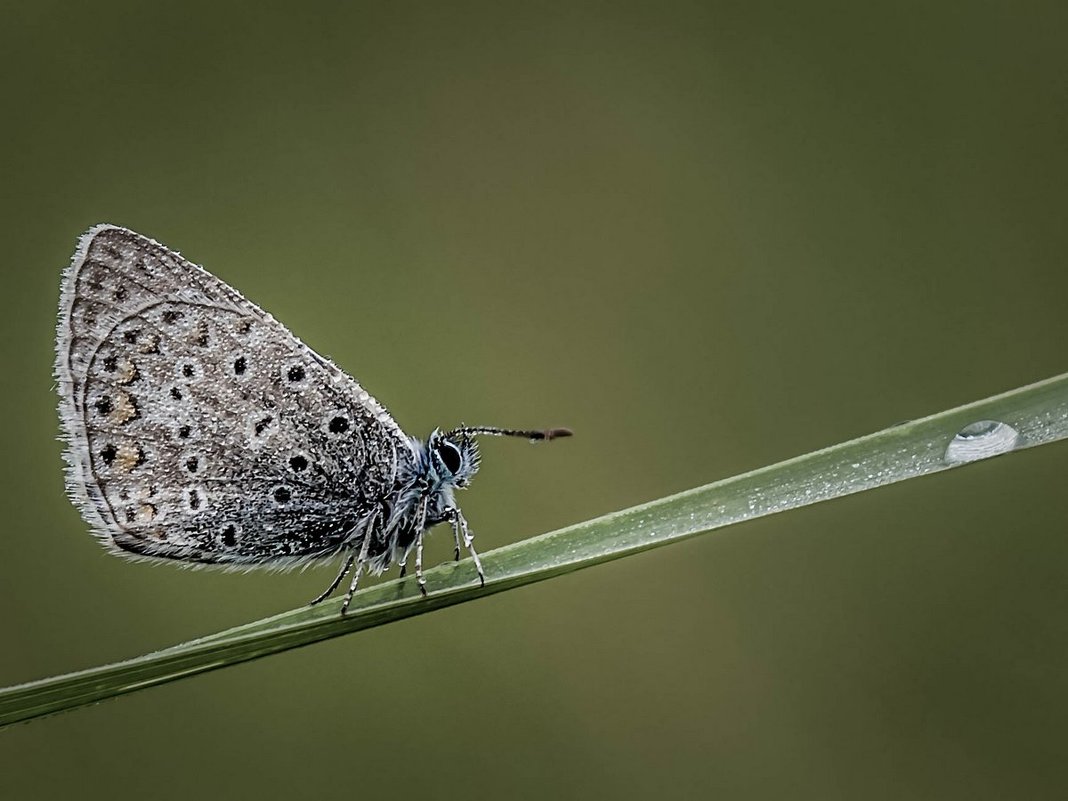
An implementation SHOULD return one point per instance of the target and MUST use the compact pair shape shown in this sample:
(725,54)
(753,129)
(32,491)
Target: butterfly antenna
(533,436)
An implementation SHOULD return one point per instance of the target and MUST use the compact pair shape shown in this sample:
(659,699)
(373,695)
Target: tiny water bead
(981,440)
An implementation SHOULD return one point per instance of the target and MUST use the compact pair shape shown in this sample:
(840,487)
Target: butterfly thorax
(424,495)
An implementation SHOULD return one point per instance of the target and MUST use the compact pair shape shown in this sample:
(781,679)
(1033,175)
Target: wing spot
(282,495)
(298,463)
(260,427)
(229,535)
(196,500)
(150,344)
(125,409)
(129,456)
(128,372)
(240,365)
(108,454)
(338,424)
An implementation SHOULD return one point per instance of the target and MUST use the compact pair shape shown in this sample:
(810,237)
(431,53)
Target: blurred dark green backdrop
(707,237)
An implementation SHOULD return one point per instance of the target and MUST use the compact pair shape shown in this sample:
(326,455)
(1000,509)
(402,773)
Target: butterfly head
(453,458)
(453,455)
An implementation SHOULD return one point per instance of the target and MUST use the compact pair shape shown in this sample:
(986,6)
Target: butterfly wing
(198,428)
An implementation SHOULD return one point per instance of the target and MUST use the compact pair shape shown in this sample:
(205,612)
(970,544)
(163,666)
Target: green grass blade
(1037,414)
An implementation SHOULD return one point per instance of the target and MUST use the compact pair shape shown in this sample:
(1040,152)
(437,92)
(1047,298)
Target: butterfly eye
(450,457)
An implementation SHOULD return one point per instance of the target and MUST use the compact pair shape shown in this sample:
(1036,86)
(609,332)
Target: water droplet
(981,440)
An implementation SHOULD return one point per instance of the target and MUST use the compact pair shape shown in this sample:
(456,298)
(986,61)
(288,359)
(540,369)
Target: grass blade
(1025,417)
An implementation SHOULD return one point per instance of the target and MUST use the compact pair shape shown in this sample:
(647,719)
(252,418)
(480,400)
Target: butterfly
(198,429)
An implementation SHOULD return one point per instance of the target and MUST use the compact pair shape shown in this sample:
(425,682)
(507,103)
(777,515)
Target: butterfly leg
(456,551)
(359,569)
(461,532)
(419,563)
(420,527)
(345,568)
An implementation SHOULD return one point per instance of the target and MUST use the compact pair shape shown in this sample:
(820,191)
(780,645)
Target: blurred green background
(707,236)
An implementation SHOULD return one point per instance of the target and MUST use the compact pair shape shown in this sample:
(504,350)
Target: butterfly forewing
(198,427)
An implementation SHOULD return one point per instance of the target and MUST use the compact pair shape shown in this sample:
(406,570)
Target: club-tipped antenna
(534,436)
